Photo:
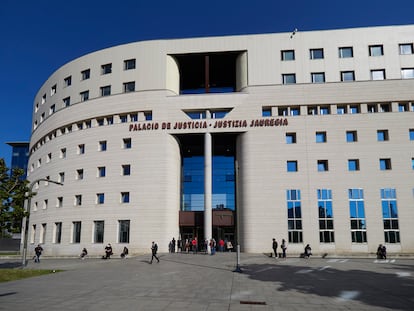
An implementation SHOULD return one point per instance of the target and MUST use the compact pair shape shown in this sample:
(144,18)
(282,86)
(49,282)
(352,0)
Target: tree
(12,196)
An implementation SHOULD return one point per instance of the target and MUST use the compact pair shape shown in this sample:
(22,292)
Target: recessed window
(282,111)
(412,163)
(346,52)
(99,229)
(124,197)
(123,118)
(61,177)
(411,134)
(126,170)
(100,121)
(266,112)
(318,77)
(351,136)
(102,145)
(320,137)
(85,74)
(59,202)
(316,53)
(100,198)
(52,109)
(127,143)
(79,174)
(406,48)
(53,90)
(385,164)
(312,110)
(347,76)
(66,102)
(67,81)
(402,107)
(322,165)
(382,135)
(353,165)
(385,107)
(341,110)
(81,149)
(101,171)
(84,96)
(292,166)
(123,231)
(294,111)
(325,110)
(376,50)
(76,228)
(134,117)
(78,200)
(354,109)
(129,64)
(129,87)
(106,69)
(407,73)
(288,78)
(288,55)
(291,138)
(63,153)
(106,90)
(378,74)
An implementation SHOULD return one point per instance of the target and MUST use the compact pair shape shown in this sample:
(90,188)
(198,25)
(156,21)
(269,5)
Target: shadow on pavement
(10,265)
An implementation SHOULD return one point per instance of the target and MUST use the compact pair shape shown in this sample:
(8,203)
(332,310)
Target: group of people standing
(283,246)
(193,245)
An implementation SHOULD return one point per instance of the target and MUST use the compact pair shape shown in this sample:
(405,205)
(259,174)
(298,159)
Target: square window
(126,170)
(353,165)
(292,166)
(282,111)
(127,143)
(347,76)
(67,81)
(312,110)
(321,137)
(291,138)
(129,87)
(288,55)
(84,96)
(407,73)
(316,53)
(351,136)
(106,90)
(100,121)
(129,64)
(341,110)
(385,164)
(66,102)
(102,145)
(402,107)
(294,111)
(346,52)
(134,117)
(106,69)
(406,48)
(266,112)
(288,78)
(382,135)
(325,110)
(354,109)
(322,165)
(85,74)
(124,197)
(318,77)
(376,50)
(378,74)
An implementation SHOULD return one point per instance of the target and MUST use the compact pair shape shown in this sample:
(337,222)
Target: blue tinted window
(292,166)
(353,165)
(411,134)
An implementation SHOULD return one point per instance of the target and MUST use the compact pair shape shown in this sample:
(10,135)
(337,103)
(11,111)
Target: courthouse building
(304,136)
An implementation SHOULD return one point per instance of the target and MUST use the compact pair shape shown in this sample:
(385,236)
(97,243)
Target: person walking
(274,246)
(38,252)
(284,248)
(154,249)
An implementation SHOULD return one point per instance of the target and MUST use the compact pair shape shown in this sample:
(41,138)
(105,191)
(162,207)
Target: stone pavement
(203,282)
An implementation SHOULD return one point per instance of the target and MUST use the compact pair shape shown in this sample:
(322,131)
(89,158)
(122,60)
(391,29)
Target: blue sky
(38,37)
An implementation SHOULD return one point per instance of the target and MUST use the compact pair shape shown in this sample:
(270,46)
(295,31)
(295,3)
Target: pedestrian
(221,245)
(194,244)
(274,246)
(229,246)
(284,248)
(83,253)
(38,252)
(308,251)
(108,252)
(173,245)
(125,252)
(154,249)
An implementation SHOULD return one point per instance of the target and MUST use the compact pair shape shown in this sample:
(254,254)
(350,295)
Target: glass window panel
(298,224)
(354,224)
(378,74)
(298,212)
(353,209)
(328,206)
(407,73)
(329,224)
(361,211)
(345,52)
(322,224)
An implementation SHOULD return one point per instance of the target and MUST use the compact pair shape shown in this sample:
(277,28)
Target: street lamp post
(28,203)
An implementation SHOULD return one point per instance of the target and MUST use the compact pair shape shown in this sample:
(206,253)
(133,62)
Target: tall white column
(208,217)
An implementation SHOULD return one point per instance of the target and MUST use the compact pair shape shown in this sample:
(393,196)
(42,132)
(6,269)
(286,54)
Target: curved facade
(307,137)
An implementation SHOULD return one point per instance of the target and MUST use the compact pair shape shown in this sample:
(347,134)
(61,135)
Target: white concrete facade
(66,136)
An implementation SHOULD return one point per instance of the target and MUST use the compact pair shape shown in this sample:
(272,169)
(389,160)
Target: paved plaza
(203,282)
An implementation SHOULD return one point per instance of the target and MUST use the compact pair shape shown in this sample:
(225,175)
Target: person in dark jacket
(154,249)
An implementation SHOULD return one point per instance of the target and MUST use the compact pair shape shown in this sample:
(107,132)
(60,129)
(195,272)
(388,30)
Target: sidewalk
(204,282)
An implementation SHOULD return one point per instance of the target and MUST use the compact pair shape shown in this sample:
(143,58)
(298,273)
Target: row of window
(76,230)
(358,223)
(270,111)
(348,52)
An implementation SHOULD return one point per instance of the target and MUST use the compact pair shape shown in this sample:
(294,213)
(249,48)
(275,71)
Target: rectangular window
(76,231)
(85,74)
(52,109)
(353,165)
(53,90)
(84,96)
(407,73)
(81,149)
(266,112)
(390,215)
(123,118)
(106,90)
(385,107)
(406,48)
(63,153)
(288,55)
(322,165)
(100,198)
(78,200)
(385,164)
(101,171)
(129,87)
(66,101)
(354,109)
(100,121)
(282,111)
(346,52)
(351,136)
(59,202)
(99,227)
(129,64)
(325,110)
(382,135)
(312,110)
(318,77)
(293,201)
(320,137)
(42,238)
(102,145)
(79,174)
(148,115)
(412,163)
(58,232)
(376,50)
(123,231)
(378,74)
(33,234)
(124,197)
(288,78)
(45,203)
(291,138)
(411,134)
(347,76)
(292,166)
(316,53)
(325,210)
(127,143)
(106,69)
(134,117)
(402,107)
(341,110)
(357,215)
(294,111)
(67,81)
(126,170)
